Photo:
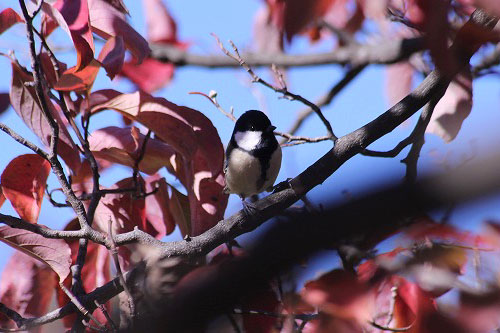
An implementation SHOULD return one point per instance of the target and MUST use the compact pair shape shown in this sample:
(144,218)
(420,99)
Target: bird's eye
(252,127)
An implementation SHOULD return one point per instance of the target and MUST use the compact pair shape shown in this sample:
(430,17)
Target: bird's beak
(270,129)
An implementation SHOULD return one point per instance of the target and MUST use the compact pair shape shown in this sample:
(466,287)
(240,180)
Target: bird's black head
(253,120)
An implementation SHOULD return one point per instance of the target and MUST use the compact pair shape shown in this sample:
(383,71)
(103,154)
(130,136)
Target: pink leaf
(112,55)
(26,104)
(374,9)
(26,286)
(54,252)
(117,145)
(108,21)
(124,210)
(73,17)
(8,17)
(453,108)
(161,26)
(23,183)
(267,35)
(399,78)
(150,75)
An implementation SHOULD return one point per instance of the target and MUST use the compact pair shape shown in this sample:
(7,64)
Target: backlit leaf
(54,252)
(73,17)
(8,17)
(23,183)
(79,81)
(25,102)
(112,55)
(117,145)
(107,21)
(158,212)
(453,108)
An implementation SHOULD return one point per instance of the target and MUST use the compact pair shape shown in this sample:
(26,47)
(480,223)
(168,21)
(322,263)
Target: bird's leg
(248,207)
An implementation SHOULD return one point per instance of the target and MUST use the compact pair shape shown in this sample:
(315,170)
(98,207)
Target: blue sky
(362,101)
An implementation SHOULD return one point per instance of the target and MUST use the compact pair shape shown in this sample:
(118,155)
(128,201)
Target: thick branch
(384,52)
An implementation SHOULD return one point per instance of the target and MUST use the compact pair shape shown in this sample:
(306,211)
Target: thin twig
(213,100)
(392,305)
(255,78)
(327,99)
(40,152)
(12,314)
(106,314)
(79,306)
(291,140)
(384,328)
(412,159)
(114,253)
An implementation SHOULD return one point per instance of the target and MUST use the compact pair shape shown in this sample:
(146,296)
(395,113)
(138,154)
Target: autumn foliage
(385,289)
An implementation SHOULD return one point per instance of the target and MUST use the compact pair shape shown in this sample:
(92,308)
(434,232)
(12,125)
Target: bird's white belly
(244,171)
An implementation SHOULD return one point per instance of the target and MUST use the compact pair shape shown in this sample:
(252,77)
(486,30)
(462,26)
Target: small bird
(253,156)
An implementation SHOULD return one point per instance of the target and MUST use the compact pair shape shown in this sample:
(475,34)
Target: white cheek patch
(248,140)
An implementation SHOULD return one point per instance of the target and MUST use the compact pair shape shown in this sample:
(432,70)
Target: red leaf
(432,16)
(453,108)
(369,268)
(411,305)
(112,55)
(340,294)
(8,17)
(399,78)
(80,81)
(54,252)
(117,145)
(157,207)
(4,102)
(264,299)
(2,197)
(26,104)
(48,25)
(107,21)
(297,14)
(27,286)
(180,209)
(23,183)
(150,75)
(73,17)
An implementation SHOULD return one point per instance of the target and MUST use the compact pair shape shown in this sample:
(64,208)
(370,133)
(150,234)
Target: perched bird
(253,156)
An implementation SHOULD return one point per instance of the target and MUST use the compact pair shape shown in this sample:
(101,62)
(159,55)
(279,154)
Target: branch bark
(383,52)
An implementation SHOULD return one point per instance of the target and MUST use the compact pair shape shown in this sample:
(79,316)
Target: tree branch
(383,52)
